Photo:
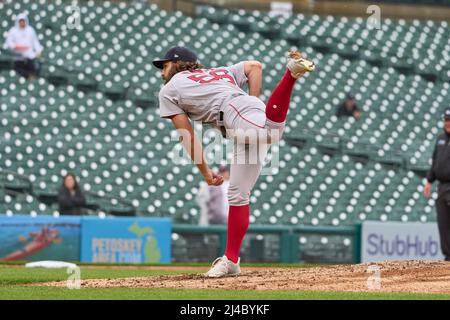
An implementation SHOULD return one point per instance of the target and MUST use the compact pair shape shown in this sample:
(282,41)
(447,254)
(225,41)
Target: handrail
(109,197)
(22,176)
(289,236)
(8,185)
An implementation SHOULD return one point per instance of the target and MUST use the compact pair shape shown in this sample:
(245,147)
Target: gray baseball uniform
(202,94)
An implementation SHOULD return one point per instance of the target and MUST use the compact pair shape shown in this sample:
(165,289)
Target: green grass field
(14,280)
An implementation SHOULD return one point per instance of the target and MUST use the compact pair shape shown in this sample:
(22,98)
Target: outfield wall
(156,240)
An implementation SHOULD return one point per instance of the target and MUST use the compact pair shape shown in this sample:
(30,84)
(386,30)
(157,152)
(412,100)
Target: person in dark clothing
(71,199)
(440,171)
(348,108)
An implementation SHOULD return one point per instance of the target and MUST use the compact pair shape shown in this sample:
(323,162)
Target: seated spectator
(213,200)
(348,108)
(71,199)
(24,43)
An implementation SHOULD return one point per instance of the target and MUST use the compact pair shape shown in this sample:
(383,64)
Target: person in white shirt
(24,43)
(213,200)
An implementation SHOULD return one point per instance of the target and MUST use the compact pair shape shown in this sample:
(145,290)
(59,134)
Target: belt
(220,124)
(221,114)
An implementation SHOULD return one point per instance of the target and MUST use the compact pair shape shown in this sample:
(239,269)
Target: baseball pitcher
(216,96)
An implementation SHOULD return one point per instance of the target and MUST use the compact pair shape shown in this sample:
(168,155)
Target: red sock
(278,105)
(238,220)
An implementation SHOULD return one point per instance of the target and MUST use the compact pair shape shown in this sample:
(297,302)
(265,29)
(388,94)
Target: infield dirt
(395,276)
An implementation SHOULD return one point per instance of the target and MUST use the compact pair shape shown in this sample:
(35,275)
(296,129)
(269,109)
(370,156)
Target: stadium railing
(284,245)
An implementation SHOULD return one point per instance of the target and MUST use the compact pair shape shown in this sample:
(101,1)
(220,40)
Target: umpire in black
(440,171)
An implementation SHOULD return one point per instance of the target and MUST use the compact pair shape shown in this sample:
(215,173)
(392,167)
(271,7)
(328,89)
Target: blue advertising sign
(126,240)
(23,237)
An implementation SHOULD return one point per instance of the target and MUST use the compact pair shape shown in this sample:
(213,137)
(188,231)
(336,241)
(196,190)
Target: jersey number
(206,76)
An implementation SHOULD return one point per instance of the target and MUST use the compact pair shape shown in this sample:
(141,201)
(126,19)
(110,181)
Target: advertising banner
(399,241)
(23,237)
(126,240)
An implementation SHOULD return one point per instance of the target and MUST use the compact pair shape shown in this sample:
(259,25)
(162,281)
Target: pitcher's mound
(394,276)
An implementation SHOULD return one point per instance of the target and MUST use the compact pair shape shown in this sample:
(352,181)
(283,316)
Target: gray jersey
(200,93)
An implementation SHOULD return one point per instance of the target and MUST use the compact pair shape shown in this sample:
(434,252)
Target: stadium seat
(93,110)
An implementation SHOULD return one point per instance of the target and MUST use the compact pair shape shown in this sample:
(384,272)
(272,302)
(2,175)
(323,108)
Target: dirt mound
(395,276)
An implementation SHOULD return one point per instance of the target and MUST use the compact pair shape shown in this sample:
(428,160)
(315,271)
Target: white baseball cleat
(222,267)
(299,65)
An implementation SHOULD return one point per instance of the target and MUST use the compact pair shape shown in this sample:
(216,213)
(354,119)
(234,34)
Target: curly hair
(181,66)
(187,66)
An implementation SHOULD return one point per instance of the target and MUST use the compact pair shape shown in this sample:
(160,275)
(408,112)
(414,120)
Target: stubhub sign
(399,241)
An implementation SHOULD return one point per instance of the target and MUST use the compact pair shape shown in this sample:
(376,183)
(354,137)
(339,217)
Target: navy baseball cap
(349,95)
(447,114)
(176,54)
